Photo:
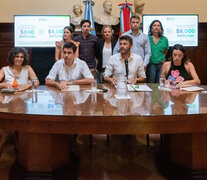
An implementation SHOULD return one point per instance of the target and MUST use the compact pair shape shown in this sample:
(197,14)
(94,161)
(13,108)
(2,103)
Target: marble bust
(106,18)
(77,10)
(139,7)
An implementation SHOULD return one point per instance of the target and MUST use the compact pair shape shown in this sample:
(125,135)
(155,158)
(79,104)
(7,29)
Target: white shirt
(116,66)
(22,78)
(78,70)
(141,46)
(106,55)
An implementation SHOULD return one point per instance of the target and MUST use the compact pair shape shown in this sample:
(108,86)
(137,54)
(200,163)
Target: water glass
(34,97)
(34,85)
(94,85)
(162,81)
(93,98)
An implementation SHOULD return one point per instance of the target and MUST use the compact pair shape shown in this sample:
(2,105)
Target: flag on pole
(125,15)
(88,14)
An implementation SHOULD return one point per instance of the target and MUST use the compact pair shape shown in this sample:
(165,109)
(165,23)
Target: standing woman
(67,35)
(105,48)
(159,47)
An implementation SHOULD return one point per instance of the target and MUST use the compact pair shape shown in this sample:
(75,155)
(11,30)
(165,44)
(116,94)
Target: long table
(45,121)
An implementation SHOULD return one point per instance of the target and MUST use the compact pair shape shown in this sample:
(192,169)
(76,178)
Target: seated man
(69,70)
(125,63)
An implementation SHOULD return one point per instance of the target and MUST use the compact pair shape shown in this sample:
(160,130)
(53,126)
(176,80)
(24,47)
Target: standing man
(141,45)
(125,63)
(88,44)
(70,70)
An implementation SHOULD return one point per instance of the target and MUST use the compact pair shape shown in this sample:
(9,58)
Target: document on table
(142,87)
(191,88)
(38,90)
(96,91)
(165,89)
(73,88)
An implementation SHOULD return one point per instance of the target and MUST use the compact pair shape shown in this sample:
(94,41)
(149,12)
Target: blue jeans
(153,72)
(100,76)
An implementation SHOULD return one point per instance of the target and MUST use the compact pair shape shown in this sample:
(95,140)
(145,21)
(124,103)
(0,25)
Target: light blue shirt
(141,46)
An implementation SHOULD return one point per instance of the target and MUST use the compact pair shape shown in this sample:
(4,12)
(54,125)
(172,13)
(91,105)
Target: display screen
(39,30)
(179,29)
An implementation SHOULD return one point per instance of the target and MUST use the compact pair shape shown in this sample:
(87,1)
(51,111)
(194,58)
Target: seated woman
(17,75)
(179,71)
(67,35)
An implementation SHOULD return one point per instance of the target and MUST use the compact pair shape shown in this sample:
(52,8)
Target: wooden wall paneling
(201,53)
(198,55)
(6,41)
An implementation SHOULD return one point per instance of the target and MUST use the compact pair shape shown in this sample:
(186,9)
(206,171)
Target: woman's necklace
(155,40)
(108,45)
(16,72)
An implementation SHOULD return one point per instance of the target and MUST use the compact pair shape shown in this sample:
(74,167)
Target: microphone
(126,67)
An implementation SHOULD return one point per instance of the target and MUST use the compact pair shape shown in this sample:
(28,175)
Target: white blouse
(106,55)
(22,78)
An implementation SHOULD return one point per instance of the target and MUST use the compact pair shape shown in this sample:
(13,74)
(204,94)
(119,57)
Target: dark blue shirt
(87,49)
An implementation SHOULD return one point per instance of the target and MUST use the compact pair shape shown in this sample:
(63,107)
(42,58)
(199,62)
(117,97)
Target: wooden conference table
(46,120)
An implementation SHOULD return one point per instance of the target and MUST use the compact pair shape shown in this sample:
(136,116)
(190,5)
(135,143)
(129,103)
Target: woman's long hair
(69,28)
(182,49)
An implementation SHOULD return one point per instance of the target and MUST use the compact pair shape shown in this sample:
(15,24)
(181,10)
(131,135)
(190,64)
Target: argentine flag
(125,15)
(88,14)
